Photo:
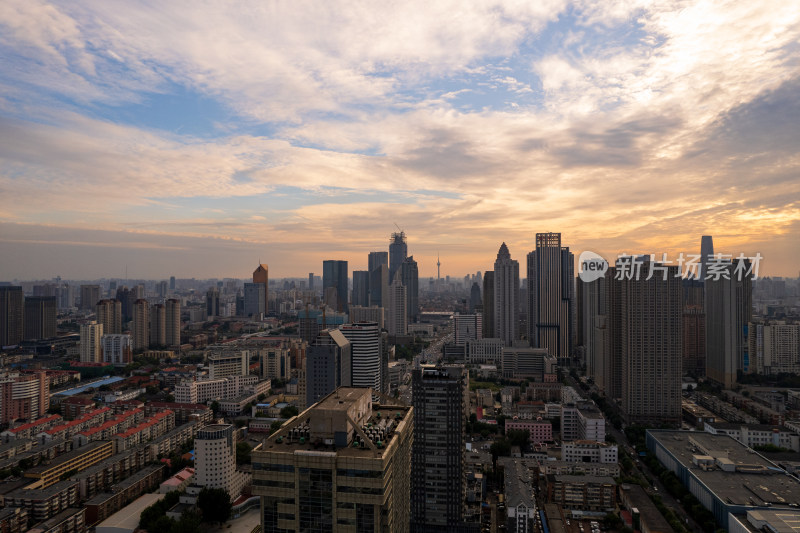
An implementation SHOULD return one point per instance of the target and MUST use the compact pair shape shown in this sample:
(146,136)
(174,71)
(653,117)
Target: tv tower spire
(438,267)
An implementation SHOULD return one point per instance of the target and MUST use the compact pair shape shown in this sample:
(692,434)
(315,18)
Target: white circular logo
(591,266)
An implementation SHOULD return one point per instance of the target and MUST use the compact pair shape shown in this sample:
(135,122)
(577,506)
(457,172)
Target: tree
(215,407)
(518,437)
(188,523)
(215,505)
(289,411)
(275,426)
(242,453)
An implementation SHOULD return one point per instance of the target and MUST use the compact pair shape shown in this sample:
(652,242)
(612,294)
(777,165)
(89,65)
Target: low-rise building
(72,520)
(76,460)
(753,435)
(589,451)
(539,430)
(586,493)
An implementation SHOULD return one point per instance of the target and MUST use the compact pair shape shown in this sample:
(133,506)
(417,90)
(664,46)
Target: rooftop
(519,488)
(128,517)
(69,456)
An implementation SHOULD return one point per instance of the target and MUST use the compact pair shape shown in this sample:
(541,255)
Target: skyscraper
(376,259)
(328,365)
(506,296)
(438,479)
(261,275)
(311,281)
(551,297)
(348,459)
(379,286)
(40,317)
(397,317)
(361,288)
(728,308)
(652,326)
(474,297)
(90,295)
(109,313)
(91,348)
(212,302)
(254,300)
(593,301)
(215,459)
(706,254)
(409,275)
(398,251)
(11,315)
(158,325)
(141,325)
(365,353)
(488,305)
(173,320)
(117,349)
(334,274)
(24,396)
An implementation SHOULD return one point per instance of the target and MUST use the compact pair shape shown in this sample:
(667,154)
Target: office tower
(90,295)
(474,297)
(379,286)
(228,362)
(173,323)
(158,325)
(126,298)
(141,325)
(728,307)
(12,312)
(467,328)
(261,275)
(438,479)
(334,274)
(365,353)
(376,259)
(506,296)
(23,396)
(162,289)
(311,281)
(706,255)
(361,288)
(117,349)
(212,302)
(215,459)
(397,321)
(274,363)
(172,283)
(551,297)
(652,331)
(254,300)
(694,340)
(368,314)
(328,365)
(40,317)
(593,326)
(340,466)
(488,305)
(91,350)
(109,313)
(409,275)
(398,251)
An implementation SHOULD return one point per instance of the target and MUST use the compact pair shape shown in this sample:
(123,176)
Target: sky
(198,138)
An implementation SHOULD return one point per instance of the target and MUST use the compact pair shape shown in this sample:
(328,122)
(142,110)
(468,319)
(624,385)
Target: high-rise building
(593,310)
(361,288)
(215,459)
(365,350)
(327,365)
(173,320)
(652,331)
(23,396)
(613,334)
(488,305)
(774,348)
(261,275)
(694,340)
(377,259)
(254,300)
(158,325)
(126,297)
(109,313)
(11,315)
(398,251)
(506,296)
(379,286)
(334,274)
(340,466)
(409,275)
(368,314)
(706,255)
(728,308)
(467,328)
(90,295)
(311,281)
(551,297)
(141,325)
(274,363)
(397,320)
(172,283)
(438,477)
(40,317)
(162,289)
(91,349)
(117,349)
(474,297)
(212,302)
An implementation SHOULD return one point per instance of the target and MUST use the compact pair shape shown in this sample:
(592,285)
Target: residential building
(398,316)
(173,323)
(488,305)
(506,297)
(90,295)
(23,396)
(91,348)
(109,313)
(519,498)
(117,349)
(774,347)
(11,316)
(40,317)
(274,363)
(141,325)
(585,493)
(158,325)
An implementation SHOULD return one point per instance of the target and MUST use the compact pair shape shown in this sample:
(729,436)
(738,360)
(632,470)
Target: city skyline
(197,139)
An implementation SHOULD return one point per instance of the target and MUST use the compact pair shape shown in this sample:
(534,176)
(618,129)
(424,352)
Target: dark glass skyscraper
(398,251)
(409,272)
(361,288)
(334,274)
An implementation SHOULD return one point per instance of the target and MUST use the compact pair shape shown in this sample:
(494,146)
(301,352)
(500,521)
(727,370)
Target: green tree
(215,407)
(215,505)
(275,426)
(242,453)
(188,523)
(289,411)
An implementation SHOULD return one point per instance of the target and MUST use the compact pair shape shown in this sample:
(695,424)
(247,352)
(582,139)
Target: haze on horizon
(193,140)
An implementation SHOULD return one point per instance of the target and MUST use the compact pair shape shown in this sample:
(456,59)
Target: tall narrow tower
(398,251)
(506,296)
(261,275)
(438,268)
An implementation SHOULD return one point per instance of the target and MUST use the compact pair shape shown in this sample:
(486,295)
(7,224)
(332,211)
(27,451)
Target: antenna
(398,227)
